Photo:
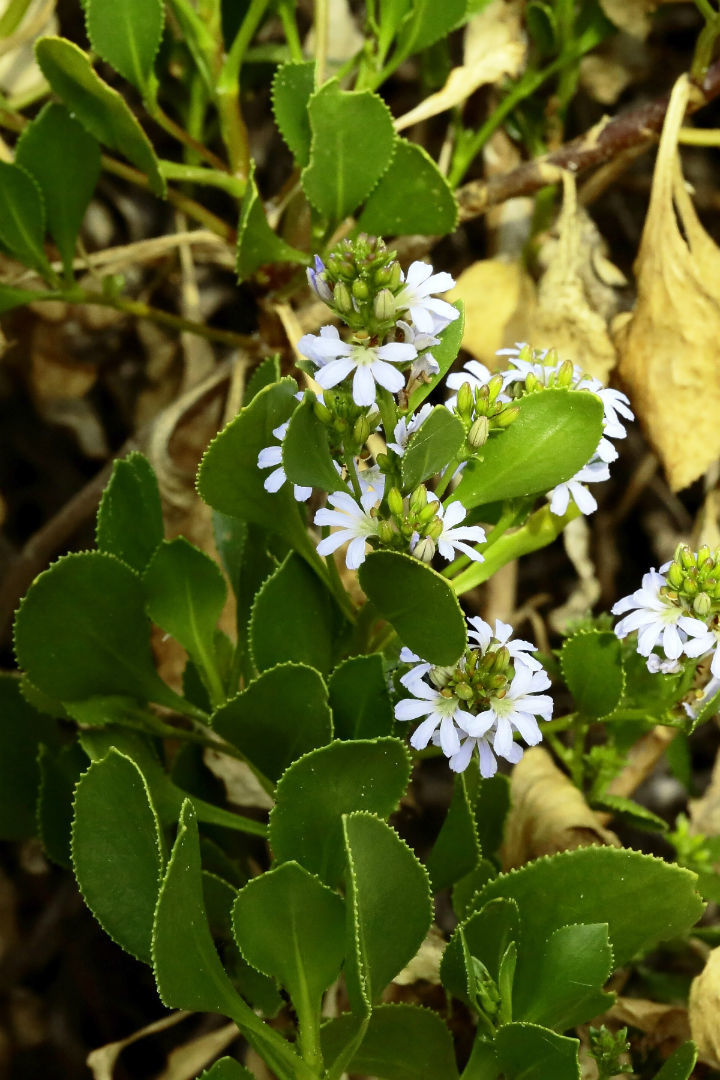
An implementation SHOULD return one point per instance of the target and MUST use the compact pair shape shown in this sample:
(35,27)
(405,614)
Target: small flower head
(450,535)
(372,364)
(659,615)
(407,426)
(317,281)
(415,298)
(354,522)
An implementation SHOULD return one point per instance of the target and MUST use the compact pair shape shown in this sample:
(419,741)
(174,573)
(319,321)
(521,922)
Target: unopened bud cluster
(359,282)
(693,579)
(549,373)
(478,678)
(348,424)
(481,411)
(415,522)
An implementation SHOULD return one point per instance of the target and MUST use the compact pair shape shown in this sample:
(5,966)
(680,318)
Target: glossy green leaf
(266,373)
(679,1066)
(294,618)
(22,217)
(60,771)
(492,803)
(592,667)
(65,161)
(444,355)
(226,1069)
(126,34)
(292,87)
(402,1042)
(117,851)
(419,604)
(99,108)
(257,244)
(389,907)
(555,434)
(390,17)
(352,145)
(82,630)
(430,21)
(291,927)
(314,793)
(531,1052)
(129,519)
(22,730)
(431,447)
(359,698)
(456,851)
(306,452)
(484,935)
(464,890)
(277,718)
(629,811)
(570,972)
(412,197)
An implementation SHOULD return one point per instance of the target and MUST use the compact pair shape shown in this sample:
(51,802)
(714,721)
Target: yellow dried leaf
(426,962)
(632,16)
(705,811)
(704,1010)
(547,813)
(494,47)
(498,296)
(668,349)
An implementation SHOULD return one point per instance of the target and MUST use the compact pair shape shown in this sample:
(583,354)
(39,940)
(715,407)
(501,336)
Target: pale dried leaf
(498,296)
(344,38)
(576,540)
(547,813)
(101,1061)
(704,1010)
(705,811)
(426,963)
(494,47)
(604,78)
(669,347)
(19,73)
(632,16)
(186,1061)
(241,786)
(642,758)
(664,1026)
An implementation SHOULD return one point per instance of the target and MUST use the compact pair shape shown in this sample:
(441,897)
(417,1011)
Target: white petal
(488,764)
(334,372)
(449,740)
(397,352)
(271,455)
(355,553)
(275,480)
(421,736)
(388,376)
(410,709)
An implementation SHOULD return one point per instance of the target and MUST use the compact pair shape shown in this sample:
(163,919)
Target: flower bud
(478,434)
(361,430)
(428,512)
(418,499)
(360,289)
(686,557)
(703,554)
(494,386)
(496,682)
(565,374)
(342,299)
(675,575)
(384,306)
(464,692)
(506,417)
(383,462)
(702,604)
(424,550)
(531,380)
(465,400)
(435,528)
(395,502)
(385,532)
(322,412)
(691,587)
(395,277)
(501,660)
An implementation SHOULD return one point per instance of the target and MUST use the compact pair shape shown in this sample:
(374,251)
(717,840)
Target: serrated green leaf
(484,935)
(570,972)
(129,520)
(431,447)
(555,434)
(226,1069)
(405,592)
(60,771)
(402,1042)
(352,145)
(65,161)
(630,811)
(679,1066)
(413,197)
(389,907)
(117,851)
(541,23)
(294,618)
(22,217)
(257,244)
(456,852)
(592,667)
(126,34)
(22,731)
(531,1052)
(359,698)
(492,804)
(314,793)
(292,87)
(463,894)
(277,718)
(306,452)
(266,373)
(99,108)
(444,355)
(430,21)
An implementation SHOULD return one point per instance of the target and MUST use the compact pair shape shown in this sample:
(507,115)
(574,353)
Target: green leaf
(569,976)
(306,452)
(405,592)
(444,355)
(99,108)
(541,23)
(22,730)
(456,852)
(257,244)
(199,38)
(126,34)
(290,926)
(492,804)
(294,618)
(266,373)
(22,217)
(65,161)
(277,718)
(431,447)
(412,197)
(117,851)
(60,771)
(630,811)
(226,1069)
(389,907)
(592,667)
(292,88)
(402,1042)
(642,899)
(555,434)
(11,297)
(129,520)
(463,894)
(531,1052)
(352,145)
(485,935)
(185,596)
(314,793)
(679,1066)
(359,698)
(81,630)
(430,21)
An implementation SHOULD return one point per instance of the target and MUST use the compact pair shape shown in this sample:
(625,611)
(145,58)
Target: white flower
(656,618)
(705,642)
(372,364)
(271,458)
(657,666)
(426,364)
(422,667)
(443,712)
(482,634)
(454,536)
(474,373)
(407,426)
(594,472)
(517,710)
(415,297)
(354,524)
(700,702)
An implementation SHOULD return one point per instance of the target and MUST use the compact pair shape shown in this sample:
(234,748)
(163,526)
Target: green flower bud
(691,588)
(531,382)
(478,434)
(360,289)
(501,660)
(427,513)
(361,430)
(675,576)
(496,682)
(418,499)
(434,529)
(464,692)
(322,412)
(383,462)
(465,401)
(385,532)
(703,554)
(342,299)
(506,417)
(702,604)
(494,386)
(425,550)
(384,306)
(565,374)
(395,277)
(395,502)
(686,557)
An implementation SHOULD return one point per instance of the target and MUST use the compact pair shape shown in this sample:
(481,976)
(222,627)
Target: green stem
(172,128)
(197,174)
(446,477)
(352,473)
(321,22)
(232,124)
(348,1052)
(388,412)
(286,11)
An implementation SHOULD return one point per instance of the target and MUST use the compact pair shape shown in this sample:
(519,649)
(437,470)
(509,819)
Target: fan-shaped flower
(372,364)
(657,618)
(415,297)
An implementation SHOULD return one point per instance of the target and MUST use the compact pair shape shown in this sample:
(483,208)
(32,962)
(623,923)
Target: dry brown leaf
(241,786)
(665,1026)
(704,1010)
(576,541)
(498,295)
(705,811)
(494,46)
(101,1061)
(186,1061)
(669,347)
(426,963)
(632,16)
(547,813)
(576,294)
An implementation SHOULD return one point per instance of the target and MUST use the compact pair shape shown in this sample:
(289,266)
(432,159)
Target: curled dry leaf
(101,1061)
(426,963)
(668,348)
(665,1026)
(704,1010)
(494,47)
(547,813)
(497,295)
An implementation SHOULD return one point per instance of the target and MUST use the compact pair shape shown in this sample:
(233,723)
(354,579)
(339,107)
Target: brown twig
(602,143)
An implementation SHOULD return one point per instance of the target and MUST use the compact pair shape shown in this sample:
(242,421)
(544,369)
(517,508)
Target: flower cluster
(493,692)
